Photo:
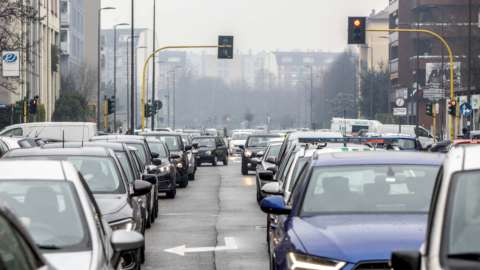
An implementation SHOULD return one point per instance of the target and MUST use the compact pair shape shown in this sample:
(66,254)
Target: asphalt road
(217,219)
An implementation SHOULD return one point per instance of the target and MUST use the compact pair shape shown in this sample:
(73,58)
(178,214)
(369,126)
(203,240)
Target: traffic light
(452,107)
(111,105)
(32,108)
(225,47)
(429,109)
(356,30)
(148,110)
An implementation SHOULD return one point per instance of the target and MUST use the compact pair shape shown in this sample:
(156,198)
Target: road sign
(433,94)
(466,109)
(400,102)
(402,111)
(11,64)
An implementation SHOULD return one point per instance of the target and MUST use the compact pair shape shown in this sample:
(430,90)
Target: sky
(258,25)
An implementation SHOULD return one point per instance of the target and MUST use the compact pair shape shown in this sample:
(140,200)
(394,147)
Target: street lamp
(153,51)
(127,106)
(134,84)
(115,72)
(99,34)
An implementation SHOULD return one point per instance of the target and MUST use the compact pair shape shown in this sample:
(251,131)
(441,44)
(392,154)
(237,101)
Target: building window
(63,36)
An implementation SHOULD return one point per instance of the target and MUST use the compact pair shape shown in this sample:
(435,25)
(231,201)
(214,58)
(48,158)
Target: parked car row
(351,205)
(87,204)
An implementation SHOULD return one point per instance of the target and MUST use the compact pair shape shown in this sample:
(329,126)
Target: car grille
(373,266)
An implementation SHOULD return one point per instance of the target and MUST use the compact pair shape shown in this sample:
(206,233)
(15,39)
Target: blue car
(351,210)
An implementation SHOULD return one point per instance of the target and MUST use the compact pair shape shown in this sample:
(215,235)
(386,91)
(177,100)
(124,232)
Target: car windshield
(369,189)
(172,142)
(240,136)
(296,171)
(462,228)
(259,141)
(405,144)
(123,158)
(158,148)
(204,142)
(51,212)
(273,151)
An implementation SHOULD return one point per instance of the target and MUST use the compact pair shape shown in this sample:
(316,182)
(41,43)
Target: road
(218,207)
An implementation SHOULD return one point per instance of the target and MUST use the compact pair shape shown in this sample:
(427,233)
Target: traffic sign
(402,111)
(400,102)
(466,109)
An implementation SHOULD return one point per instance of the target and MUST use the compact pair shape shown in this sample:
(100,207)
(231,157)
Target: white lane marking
(230,244)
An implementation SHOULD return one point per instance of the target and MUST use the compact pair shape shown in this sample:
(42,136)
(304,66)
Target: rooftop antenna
(83,134)
(63,138)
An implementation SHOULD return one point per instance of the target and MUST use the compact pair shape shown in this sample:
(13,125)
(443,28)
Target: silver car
(60,213)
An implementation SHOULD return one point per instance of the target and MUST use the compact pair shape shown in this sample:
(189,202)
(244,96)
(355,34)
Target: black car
(178,153)
(17,248)
(211,149)
(266,163)
(167,179)
(147,158)
(254,148)
(192,166)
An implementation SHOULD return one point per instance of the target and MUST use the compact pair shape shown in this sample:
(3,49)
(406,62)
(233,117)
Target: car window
(204,142)
(15,252)
(142,154)
(259,141)
(173,143)
(370,189)
(296,172)
(13,132)
(123,158)
(273,151)
(158,148)
(51,212)
(287,167)
(462,226)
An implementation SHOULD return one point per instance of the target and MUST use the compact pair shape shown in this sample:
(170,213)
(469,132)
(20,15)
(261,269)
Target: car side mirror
(195,145)
(266,175)
(405,260)
(188,147)
(150,178)
(124,241)
(260,154)
(174,156)
(241,147)
(155,155)
(156,161)
(275,205)
(141,187)
(272,160)
(272,189)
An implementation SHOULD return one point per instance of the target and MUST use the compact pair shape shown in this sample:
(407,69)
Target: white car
(453,235)
(237,141)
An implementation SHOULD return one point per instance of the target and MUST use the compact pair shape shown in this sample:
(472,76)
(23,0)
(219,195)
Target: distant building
(91,8)
(72,36)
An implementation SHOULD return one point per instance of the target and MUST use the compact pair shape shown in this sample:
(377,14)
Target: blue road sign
(466,109)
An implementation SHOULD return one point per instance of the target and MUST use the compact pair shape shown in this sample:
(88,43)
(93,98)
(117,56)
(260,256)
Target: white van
(53,131)
(354,126)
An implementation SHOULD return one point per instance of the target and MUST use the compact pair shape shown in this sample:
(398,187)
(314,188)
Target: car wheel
(215,161)
(184,182)
(225,161)
(191,176)
(142,255)
(259,196)
(156,203)
(171,194)
(272,263)
(148,221)
(244,169)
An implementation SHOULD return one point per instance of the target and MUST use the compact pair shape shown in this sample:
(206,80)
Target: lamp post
(134,83)
(99,35)
(132,86)
(154,64)
(127,92)
(115,73)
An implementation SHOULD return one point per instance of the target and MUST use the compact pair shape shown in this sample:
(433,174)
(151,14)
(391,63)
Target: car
(178,153)
(17,249)
(266,163)
(254,147)
(104,176)
(237,141)
(53,131)
(11,143)
(167,180)
(59,211)
(211,149)
(345,208)
(192,166)
(147,158)
(453,229)
(397,142)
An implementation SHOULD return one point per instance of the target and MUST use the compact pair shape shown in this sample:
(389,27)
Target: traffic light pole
(450,56)
(145,70)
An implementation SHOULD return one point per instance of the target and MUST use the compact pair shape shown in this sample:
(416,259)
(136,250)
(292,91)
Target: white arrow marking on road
(230,244)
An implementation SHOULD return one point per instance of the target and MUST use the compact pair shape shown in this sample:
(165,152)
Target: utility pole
(469,72)
(132,69)
(154,114)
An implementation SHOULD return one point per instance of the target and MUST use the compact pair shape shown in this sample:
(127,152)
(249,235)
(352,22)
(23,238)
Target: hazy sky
(256,24)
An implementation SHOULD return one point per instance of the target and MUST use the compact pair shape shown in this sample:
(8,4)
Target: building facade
(72,36)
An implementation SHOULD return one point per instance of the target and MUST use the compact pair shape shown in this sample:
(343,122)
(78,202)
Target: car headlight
(165,169)
(208,153)
(179,165)
(297,261)
(248,153)
(124,224)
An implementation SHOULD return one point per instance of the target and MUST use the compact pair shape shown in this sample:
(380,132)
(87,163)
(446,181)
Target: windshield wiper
(471,256)
(49,247)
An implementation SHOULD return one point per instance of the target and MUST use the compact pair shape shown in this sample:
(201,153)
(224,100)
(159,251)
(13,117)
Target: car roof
(83,151)
(160,133)
(118,138)
(379,158)
(313,134)
(265,135)
(32,170)
(115,146)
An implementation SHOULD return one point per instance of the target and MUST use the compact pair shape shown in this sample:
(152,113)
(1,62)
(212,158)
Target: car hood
(70,260)
(355,238)
(111,205)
